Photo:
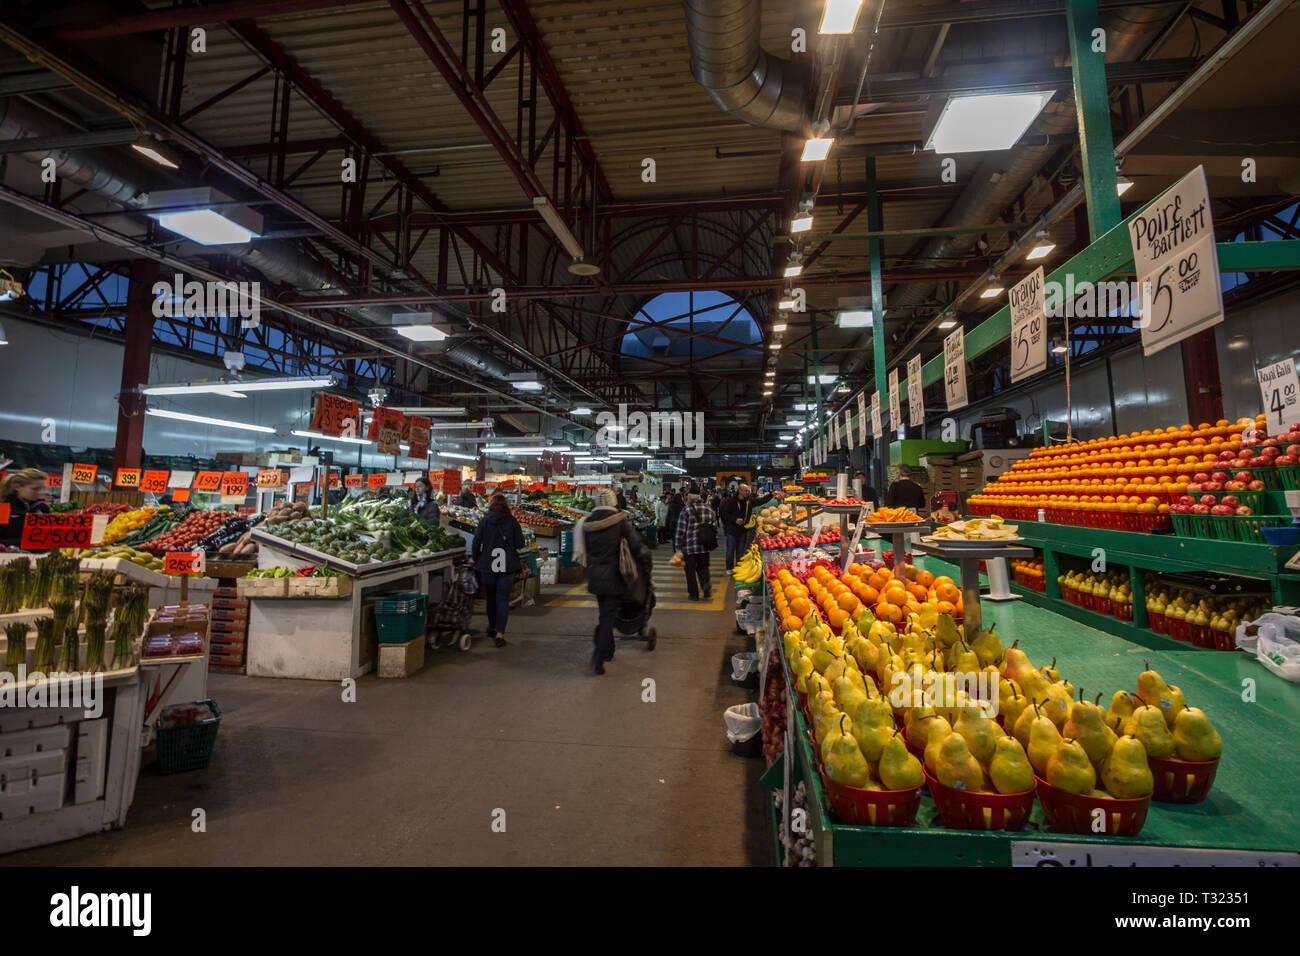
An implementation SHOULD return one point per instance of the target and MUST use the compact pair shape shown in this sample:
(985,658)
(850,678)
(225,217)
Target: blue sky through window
(716,313)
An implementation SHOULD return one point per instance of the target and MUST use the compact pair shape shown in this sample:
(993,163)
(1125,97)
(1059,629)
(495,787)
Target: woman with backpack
(599,542)
(696,536)
(497,542)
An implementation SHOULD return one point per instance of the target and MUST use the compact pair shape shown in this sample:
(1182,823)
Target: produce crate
(319,587)
(1247,528)
(401,617)
(1195,526)
(1288,478)
(229,569)
(189,746)
(263,587)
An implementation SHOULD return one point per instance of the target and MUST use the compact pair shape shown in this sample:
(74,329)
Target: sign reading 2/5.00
(44,532)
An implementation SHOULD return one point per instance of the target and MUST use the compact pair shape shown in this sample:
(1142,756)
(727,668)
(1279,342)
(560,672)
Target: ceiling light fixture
(1042,246)
(991,292)
(235,386)
(948,323)
(801,223)
(203,420)
(455,455)
(985,121)
(1123,185)
(854,319)
(150,150)
(779,327)
(840,16)
(816,149)
(323,437)
(1059,349)
(582,410)
(775,346)
(204,215)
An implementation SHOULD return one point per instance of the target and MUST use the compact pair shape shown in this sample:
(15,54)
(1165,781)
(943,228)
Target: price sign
(848,429)
(4,512)
(389,441)
(208,481)
(54,481)
(395,479)
(181,479)
(84,474)
(180,495)
(127,478)
(335,416)
(1177,264)
(354,481)
(1028,299)
(862,418)
(154,482)
(234,484)
(877,427)
(895,406)
(184,562)
(303,490)
(334,479)
(1280,386)
(954,369)
(915,392)
(377,480)
(44,532)
(417,435)
(270,478)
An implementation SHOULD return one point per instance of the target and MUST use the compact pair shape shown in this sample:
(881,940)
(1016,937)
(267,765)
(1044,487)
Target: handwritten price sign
(234,484)
(184,562)
(54,481)
(154,482)
(208,481)
(127,478)
(84,474)
(47,531)
(270,478)
(378,480)
(354,481)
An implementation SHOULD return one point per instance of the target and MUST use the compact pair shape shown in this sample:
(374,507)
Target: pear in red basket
(873,726)
(1070,769)
(937,731)
(988,646)
(1044,738)
(955,766)
(1195,737)
(1148,725)
(843,758)
(1121,709)
(1011,702)
(1009,769)
(899,769)
(1153,689)
(1125,773)
(977,730)
(1087,724)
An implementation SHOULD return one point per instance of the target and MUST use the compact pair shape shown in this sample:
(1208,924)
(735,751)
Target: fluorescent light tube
(420,333)
(785,437)
(991,292)
(795,422)
(581,411)
(323,437)
(815,150)
(824,379)
(839,16)
(202,420)
(234,388)
(457,456)
(985,121)
(801,224)
(1040,250)
(948,324)
(422,410)
(207,227)
(558,226)
(779,327)
(855,319)
(1059,349)
(145,149)
(792,271)
(786,304)
(775,346)
(528,386)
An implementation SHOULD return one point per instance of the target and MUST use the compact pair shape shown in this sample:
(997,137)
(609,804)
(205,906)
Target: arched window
(686,323)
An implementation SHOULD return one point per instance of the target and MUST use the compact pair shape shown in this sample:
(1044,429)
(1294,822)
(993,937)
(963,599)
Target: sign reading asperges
(44,532)
(184,562)
(1028,301)
(1177,264)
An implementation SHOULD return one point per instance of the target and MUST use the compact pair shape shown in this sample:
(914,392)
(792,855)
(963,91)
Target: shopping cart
(450,623)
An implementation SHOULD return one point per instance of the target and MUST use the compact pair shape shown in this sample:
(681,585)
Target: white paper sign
(180,479)
(834,433)
(954,369)
(1028,300)
(876,428)
(395,479)
(862,418)
(915,392)
(301,474)
(895,407)
(848,429)
(1280,386)
(1174,251)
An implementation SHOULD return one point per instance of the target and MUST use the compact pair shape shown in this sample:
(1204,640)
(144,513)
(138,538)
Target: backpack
(708,533)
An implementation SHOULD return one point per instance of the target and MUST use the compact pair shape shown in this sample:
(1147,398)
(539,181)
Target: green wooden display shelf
(1251,808)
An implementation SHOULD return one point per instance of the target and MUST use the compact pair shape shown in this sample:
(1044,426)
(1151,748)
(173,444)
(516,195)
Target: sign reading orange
(128,478)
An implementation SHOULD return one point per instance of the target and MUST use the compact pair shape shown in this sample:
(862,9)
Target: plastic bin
(401,617)
(744,669)
(189,746)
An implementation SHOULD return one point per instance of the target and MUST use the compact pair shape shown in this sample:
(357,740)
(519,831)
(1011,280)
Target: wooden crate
(263,587)
(320,587)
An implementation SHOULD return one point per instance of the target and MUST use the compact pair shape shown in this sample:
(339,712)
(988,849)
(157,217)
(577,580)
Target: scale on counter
(1293,502)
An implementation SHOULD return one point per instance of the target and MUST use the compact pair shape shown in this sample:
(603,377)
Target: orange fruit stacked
(894,515)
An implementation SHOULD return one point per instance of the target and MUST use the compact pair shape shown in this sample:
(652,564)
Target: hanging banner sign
(84,474)
(354,481)
(154,482)
(954,369)
(417,435)
(386,418)
(877,428)
(44,532)
(862,418)
(184,562)
(1174,251)
(389,441)
(1028,300)
(335,415)
(234,484)
(848,429)
(270,478)
(208,481)
(895,406)
(915,392)
(127,478)
(1280,386)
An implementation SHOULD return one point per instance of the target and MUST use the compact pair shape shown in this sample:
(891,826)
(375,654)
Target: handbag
(627,566)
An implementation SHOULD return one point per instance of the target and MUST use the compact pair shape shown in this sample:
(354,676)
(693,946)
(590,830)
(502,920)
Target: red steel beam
(125,25)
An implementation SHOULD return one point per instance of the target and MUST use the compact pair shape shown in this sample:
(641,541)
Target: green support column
(1138,586)
(1092,105)
(877,320)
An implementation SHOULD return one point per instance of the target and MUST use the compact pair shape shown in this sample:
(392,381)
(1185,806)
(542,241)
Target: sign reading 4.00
(1177,264)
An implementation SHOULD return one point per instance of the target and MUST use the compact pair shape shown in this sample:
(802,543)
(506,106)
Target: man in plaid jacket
(695,515)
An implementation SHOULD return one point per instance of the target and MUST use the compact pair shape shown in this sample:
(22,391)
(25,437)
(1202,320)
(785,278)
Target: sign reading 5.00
(44,532)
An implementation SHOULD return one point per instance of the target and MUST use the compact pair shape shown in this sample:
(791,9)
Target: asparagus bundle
(16,646)
(13,585)
(44,655)
(99,589)
(63,602)
(128,621)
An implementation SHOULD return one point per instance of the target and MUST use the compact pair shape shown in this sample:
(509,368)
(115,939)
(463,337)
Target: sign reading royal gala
(1174,251)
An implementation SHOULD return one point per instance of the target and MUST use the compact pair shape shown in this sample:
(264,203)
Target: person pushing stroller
(598,544)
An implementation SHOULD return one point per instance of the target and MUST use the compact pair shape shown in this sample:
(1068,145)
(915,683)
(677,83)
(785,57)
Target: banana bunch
(749,569)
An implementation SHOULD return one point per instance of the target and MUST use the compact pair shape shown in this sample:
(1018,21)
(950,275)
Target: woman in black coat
(603,531)
(497,543)
(423,503)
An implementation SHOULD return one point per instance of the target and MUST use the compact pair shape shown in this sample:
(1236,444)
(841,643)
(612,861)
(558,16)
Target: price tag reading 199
(44,532)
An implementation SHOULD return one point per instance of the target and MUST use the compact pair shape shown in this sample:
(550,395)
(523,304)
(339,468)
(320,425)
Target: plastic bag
(1275,639)
(743,721)
(743,664)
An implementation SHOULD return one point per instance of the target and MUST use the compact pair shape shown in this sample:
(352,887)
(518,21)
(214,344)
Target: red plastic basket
(1122,610)
(872,808)
(960,810)
(1102,605)
(1178,629)
(1199,634)
(1223,640)
(1073,813)
(1159,623)
(1182,781)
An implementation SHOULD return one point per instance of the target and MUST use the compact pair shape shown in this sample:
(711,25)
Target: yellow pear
(977,730)
(1121,709)
(937,731)
(1196,737)
(898,768)
(873,725)
(988,646)
(1043,740)
(1087,725)
(956,767)
(843,760)
(1070,769)
(1147,725)
(1125,773)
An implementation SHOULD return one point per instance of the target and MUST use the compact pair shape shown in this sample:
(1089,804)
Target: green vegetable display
(370,531)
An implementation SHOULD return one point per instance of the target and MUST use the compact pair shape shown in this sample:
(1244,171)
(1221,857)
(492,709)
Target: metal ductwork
(471,356)
(742,79)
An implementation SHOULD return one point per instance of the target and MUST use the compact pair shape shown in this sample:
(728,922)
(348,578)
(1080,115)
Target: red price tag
(4,512)
(128,478)
(208,481)
(270,478)
(53,481)
(84,474)
(154,482)
(354,481)
(303,490)
(334,479)
(379,480)
(234,484)
(180,494)
(45,532)
(183,562)
(335,415)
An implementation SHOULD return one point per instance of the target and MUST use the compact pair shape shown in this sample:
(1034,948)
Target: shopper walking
(21,491)
(661,516)
(497,542)
(467,499)
(620,501)
(675,504)
(696,536)
(423,503)
(598,543)
(736,515)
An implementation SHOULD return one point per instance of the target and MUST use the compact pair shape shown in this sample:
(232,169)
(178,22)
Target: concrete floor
(414,771)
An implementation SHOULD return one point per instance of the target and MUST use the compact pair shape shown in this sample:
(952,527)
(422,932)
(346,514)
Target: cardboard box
(401,660)
(232,593)
(229,627)
(229,602)
(230,614)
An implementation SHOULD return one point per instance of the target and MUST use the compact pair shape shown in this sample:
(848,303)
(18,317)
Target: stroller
(450,623)
(633,615)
